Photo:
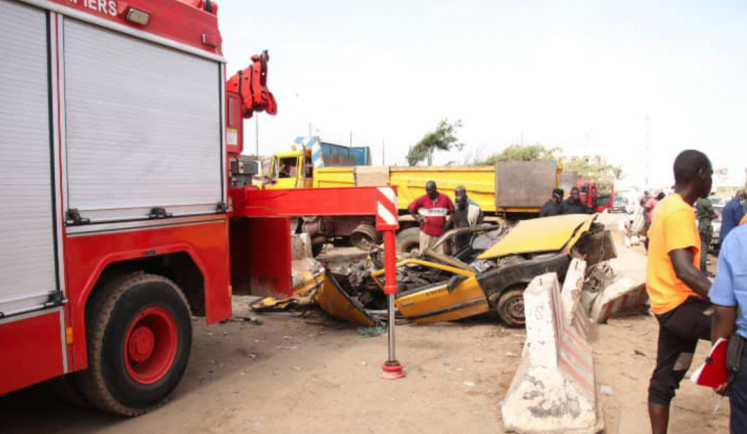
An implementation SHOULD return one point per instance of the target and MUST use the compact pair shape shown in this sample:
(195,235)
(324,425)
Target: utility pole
(309,129)
(256,133)
(351,139)
(383,153)
(646,156)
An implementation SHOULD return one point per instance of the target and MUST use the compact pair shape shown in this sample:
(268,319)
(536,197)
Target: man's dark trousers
(705,244)
(738,398)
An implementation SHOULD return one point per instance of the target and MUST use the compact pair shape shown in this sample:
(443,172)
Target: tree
(534,152)
(442,139)
(538,152)
(588,170)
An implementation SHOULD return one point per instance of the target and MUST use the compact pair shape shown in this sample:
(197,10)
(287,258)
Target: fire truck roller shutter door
(27,258)
(143,127)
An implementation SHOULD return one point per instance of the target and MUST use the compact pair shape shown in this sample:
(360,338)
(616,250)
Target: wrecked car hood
(544,234)
(336,302)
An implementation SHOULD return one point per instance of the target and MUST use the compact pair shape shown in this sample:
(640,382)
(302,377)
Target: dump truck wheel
(510,308)
(139,339)
(408,241)
(364,236)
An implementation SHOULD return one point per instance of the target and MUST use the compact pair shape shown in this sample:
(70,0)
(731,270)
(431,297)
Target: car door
(456,295)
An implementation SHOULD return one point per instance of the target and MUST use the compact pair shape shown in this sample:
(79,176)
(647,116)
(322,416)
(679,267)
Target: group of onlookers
(688,306)
(686,303)
(557,206)
(435,212)
(432,211)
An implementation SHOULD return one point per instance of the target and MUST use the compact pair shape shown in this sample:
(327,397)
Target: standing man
(552,206)
(430,210)
(649,210)
(643,232)
(729,295)
(466,215)
(732,214)
(644,199)
(705,215)
(678,290)
(574,205)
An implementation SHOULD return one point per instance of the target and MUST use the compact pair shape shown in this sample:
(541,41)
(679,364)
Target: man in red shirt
(431,210)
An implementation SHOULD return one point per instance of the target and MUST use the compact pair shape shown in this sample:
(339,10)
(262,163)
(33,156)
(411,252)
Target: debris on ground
(370,332)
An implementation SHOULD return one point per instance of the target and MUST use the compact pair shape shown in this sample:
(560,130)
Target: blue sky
(581,75)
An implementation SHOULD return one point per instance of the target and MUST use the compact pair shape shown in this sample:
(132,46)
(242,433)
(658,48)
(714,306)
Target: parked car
(619,205)
(716,223)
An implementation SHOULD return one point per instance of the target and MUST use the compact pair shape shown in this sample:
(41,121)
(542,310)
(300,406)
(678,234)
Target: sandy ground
(307,374)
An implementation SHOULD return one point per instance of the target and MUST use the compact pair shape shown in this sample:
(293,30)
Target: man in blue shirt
(729,295)
(733,212)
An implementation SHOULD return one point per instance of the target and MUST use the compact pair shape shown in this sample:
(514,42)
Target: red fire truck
(123,195)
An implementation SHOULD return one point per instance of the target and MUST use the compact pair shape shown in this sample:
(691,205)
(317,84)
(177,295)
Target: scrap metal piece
(303,294)
(333,300)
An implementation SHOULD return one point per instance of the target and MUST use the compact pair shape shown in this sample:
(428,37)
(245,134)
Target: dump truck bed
(481,183)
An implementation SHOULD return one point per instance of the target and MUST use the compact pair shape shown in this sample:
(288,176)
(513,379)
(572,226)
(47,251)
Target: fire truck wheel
(510,307)
(139,339)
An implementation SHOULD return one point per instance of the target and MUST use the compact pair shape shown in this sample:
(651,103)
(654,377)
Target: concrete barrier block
(553,390)
(623,294)
(574,313)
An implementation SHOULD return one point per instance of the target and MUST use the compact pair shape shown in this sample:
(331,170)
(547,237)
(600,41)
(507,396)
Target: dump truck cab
(295,168)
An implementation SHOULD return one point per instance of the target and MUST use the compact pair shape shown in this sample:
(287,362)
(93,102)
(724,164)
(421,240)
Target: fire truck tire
(510,307)
(408,241)
(139,338)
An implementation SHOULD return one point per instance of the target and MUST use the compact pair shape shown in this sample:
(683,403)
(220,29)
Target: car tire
(408,241)
(364,236)
(510,307)
(139,336)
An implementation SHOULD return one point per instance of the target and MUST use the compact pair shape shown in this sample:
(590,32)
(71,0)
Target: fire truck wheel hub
(141,344)
(151,345)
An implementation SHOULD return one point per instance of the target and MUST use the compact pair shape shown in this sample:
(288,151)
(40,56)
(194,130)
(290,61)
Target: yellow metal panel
(438,304)
(415,261)
(335,302)
(579,233)
(479,182)
(334,177)
(544,234)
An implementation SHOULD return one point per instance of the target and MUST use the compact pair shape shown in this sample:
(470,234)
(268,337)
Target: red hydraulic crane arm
(251,85)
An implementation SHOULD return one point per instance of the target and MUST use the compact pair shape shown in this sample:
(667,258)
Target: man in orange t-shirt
(677,288)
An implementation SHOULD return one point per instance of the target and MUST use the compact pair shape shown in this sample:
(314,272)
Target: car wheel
(364,237)
(139,338)
(408,242)
(510,308)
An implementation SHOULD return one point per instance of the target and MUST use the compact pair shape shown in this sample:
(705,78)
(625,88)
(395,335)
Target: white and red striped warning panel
(387,216)
(554,388)
(574,312)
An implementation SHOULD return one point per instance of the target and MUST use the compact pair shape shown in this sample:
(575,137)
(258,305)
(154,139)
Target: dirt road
(308,375)
(294,374)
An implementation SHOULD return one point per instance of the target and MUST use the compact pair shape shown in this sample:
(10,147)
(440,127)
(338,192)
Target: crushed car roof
(544,234)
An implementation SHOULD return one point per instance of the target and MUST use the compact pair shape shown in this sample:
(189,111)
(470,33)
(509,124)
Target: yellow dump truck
(507,190)
(504,189)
